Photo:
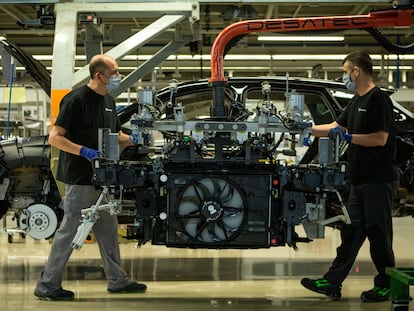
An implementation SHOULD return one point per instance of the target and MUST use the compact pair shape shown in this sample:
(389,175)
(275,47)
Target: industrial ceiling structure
(31,25)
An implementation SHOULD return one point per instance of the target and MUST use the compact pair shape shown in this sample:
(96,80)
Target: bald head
(100,63)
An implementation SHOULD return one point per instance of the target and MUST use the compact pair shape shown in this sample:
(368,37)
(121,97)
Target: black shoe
(58,295)
(322,286)
(131,288)
(377,294)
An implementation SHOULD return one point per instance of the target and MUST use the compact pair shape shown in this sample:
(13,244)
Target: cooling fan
(211,209)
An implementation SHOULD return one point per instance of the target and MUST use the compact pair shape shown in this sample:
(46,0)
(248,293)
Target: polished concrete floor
(197,279)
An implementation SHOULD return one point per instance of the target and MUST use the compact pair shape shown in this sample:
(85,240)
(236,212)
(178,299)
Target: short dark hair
(97,64)
(360,59)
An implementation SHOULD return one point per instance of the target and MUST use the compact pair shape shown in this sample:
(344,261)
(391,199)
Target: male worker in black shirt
(367,126)
(82,112)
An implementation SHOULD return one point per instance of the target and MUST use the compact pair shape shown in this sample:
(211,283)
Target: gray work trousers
(78,197)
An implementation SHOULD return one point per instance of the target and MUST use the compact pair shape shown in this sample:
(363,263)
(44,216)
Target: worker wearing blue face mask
(82,112)
(367,126)
(114,82)
(349,84)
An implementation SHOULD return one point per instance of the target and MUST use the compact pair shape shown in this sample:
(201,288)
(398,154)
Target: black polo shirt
(365,114)
(82,113)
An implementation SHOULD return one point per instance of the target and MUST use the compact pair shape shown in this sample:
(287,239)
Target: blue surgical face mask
(350,85)
(114,82)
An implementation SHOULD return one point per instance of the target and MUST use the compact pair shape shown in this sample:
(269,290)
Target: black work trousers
(370,210)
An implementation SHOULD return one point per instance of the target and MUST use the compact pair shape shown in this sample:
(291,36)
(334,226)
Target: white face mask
(114,82)
(350,85)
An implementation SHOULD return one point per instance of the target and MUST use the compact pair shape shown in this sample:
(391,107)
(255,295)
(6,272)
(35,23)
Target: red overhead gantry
(397,18)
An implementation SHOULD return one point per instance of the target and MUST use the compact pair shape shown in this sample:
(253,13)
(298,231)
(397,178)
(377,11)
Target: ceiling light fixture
(188,57)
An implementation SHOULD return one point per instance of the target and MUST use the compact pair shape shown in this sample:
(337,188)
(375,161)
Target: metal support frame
(135,41)
(148,65)
(66,33)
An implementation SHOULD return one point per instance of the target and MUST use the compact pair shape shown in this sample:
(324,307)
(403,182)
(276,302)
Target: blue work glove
(337,131)
(135,139)
(88,153)
(307,141)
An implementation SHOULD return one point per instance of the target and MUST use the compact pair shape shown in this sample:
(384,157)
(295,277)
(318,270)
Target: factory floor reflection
(197,279)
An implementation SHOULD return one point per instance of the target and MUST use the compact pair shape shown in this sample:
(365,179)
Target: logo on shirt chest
(108,109)
(362,110)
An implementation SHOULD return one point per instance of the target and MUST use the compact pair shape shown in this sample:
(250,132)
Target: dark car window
(319,111)
(316,107)
(342,97)
(198,104)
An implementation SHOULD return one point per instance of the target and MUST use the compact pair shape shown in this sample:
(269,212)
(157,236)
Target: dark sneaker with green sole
(377,294)
(58,295)
(322,286)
